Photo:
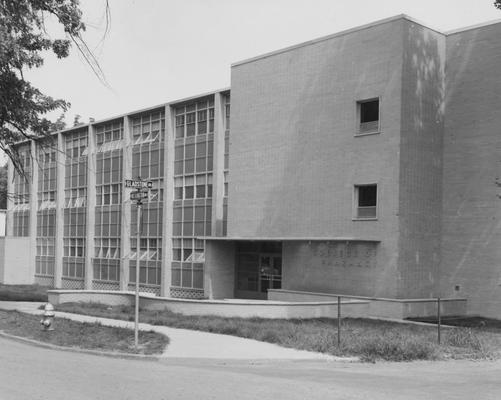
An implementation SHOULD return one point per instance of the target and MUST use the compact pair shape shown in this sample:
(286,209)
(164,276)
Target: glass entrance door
(258,268)
(270,272)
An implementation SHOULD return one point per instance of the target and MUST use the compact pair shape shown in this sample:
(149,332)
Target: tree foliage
(3,187)
(23,39)
(497,4)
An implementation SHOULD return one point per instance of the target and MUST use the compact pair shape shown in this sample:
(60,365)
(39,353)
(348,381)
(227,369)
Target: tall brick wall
(471,245)
(420,201)
(294,157)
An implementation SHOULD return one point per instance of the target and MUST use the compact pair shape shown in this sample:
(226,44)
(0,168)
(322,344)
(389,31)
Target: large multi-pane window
(148,132)
(75,200)
(108,136)
(193,165)
(226,161)
(21,198)
(46,213)
(106,257)
(195,118)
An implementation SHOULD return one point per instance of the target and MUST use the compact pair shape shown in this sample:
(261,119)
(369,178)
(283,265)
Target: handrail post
(338,321)
(439,321)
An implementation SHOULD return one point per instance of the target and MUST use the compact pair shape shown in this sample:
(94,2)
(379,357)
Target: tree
(60,123)
(76,120)
(497,4)
(23,39)
(3,187)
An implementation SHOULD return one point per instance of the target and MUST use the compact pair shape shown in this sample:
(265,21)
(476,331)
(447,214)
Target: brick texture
(471,251)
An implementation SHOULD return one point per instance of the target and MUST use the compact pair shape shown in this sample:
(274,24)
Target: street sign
(138,195)
(136,184)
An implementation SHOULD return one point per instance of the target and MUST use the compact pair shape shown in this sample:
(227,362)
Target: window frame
(355,202)
(358,123)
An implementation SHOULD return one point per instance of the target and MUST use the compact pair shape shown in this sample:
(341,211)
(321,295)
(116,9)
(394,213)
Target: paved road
(28,372)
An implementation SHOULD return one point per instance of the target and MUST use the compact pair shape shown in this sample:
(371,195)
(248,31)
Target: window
(366,201)
(191,119)
(368,116)
(148,128)
(108,136)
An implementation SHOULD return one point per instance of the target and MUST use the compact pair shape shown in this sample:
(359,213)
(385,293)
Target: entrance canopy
(289,239)
(243,267)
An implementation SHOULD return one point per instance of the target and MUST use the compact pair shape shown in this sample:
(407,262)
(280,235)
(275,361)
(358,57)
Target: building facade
(74,214)
(363,163)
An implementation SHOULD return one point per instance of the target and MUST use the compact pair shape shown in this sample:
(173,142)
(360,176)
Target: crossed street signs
(138,184)
(139,195)
(142,187)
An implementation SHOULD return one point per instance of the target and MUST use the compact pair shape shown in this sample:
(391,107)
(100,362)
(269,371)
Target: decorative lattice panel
(44,280)
(72,283)
(185,293)
(99,285)
(146,289)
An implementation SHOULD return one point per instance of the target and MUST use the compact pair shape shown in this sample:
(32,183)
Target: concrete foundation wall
(379,308)
(286,305)
(471,250)
(17,261)
(252,309)
(421,149)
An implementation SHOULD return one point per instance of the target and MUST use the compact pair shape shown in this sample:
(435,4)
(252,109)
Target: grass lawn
(82,335)
(371,340)
(23,293)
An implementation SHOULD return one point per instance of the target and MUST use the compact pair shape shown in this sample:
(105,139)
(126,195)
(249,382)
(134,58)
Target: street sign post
(141,193)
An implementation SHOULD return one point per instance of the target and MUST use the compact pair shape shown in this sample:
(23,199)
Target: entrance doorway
(258,268)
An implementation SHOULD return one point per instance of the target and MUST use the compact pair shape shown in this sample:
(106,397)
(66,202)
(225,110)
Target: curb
(110,354)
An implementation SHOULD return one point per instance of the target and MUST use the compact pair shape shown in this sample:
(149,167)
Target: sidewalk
(186,343)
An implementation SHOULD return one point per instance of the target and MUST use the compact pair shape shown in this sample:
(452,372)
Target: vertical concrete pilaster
(218,171)
(60,170)
(33,208)
(126,207)
(168,198)
(9,223)
(91,207)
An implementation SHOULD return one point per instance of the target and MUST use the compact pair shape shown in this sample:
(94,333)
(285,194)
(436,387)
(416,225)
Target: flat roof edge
(288,239)
(471,27)
(123,115)
(337,34)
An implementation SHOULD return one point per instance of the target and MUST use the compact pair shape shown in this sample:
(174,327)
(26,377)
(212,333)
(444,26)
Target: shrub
(466,338)
(23,293)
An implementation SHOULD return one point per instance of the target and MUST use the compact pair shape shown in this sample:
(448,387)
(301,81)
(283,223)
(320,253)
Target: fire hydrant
(48,317)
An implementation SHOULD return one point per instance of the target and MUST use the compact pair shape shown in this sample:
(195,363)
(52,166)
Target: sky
(157,51)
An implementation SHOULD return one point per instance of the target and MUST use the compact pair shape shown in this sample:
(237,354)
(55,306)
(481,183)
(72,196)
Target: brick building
(362,163)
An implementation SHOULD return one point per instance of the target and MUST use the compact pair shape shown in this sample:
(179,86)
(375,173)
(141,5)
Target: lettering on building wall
(346,255)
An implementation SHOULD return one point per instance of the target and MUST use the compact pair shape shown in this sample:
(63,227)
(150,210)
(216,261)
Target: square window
(368,116)
(366,201)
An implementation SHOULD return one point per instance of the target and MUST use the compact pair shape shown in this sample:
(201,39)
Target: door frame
(249,294)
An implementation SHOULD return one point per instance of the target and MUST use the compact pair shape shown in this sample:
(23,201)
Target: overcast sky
(161,50)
